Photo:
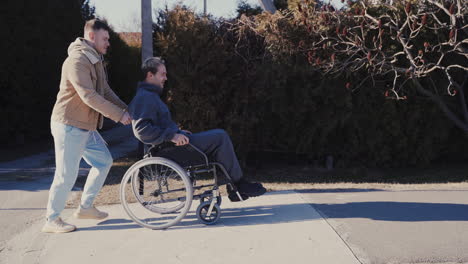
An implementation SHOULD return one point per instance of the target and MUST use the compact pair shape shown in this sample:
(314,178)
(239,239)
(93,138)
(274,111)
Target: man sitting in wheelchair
(152,125)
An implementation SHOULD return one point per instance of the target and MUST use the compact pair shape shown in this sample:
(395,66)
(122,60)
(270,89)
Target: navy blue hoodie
(151,118)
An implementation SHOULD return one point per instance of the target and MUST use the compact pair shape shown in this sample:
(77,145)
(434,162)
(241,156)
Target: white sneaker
(57,226)
(89,213)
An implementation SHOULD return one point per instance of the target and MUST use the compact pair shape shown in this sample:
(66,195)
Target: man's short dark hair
(151,64)
(95,25)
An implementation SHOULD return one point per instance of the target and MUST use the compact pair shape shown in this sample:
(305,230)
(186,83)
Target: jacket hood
(80,45)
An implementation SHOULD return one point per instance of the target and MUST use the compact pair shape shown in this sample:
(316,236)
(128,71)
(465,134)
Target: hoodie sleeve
(80,77)
(144,109)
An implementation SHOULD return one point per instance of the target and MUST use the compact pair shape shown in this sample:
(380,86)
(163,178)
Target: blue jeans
(72,144)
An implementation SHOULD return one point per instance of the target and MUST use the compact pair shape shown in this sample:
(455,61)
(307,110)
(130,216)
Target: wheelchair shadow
(291,213)
(255,215)
(243,216)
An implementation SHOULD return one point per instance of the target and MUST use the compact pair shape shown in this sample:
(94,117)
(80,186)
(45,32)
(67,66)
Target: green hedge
(36,35)
(221,75)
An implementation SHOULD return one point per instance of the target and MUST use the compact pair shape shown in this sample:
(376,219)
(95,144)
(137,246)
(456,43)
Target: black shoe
(232,195)
(250,189)
(234,198)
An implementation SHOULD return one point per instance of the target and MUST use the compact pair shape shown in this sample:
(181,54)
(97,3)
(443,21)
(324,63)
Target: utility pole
(146,42)
(268,5)
(204,7)
(146,30)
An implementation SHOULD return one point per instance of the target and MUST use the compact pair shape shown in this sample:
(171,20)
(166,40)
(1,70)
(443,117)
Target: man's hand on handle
(180,140)
(126,119)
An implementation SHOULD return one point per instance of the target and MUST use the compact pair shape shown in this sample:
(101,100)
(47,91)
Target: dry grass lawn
(302,177)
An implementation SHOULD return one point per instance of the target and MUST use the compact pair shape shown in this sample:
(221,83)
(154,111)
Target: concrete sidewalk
(25,182)
(279,227)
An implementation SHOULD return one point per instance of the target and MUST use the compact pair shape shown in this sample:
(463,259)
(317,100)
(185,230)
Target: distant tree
(243,8)
(88,11)
(417,47)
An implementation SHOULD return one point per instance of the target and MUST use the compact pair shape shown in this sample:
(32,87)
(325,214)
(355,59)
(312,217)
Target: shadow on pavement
(396,211)
(340,190)
(245,216)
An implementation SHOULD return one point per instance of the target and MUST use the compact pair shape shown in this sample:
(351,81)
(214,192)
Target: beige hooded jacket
(84,95)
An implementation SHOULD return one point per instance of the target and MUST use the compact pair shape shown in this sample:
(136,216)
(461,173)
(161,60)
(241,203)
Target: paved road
(413,226)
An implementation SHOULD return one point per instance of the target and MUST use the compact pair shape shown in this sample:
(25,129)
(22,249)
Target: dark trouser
(217,145)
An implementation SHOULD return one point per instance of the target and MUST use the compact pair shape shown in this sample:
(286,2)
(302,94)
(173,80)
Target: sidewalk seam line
(328,223)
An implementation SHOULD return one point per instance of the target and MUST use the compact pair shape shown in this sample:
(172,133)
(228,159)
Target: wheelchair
(157,192)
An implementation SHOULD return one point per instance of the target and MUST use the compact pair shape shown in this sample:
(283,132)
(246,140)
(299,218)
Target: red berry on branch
(369,56)
(424,19)
(426,44)
(386,93)
(452,33)
(452,9)
(408,72)
(348,85)
(408,7)
(345,31)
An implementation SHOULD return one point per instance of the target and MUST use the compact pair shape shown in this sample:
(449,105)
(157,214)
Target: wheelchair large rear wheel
(156,193)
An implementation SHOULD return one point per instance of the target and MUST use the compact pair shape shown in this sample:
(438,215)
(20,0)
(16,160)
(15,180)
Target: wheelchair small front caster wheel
(206,197)
(202,213)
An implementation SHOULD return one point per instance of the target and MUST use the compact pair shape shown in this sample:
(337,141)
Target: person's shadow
(396,211)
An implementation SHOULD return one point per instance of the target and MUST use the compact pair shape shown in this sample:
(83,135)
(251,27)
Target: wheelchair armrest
(199,151)
(177,153)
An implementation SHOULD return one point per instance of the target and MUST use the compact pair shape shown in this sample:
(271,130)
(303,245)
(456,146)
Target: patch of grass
(307,174)
(301,177)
